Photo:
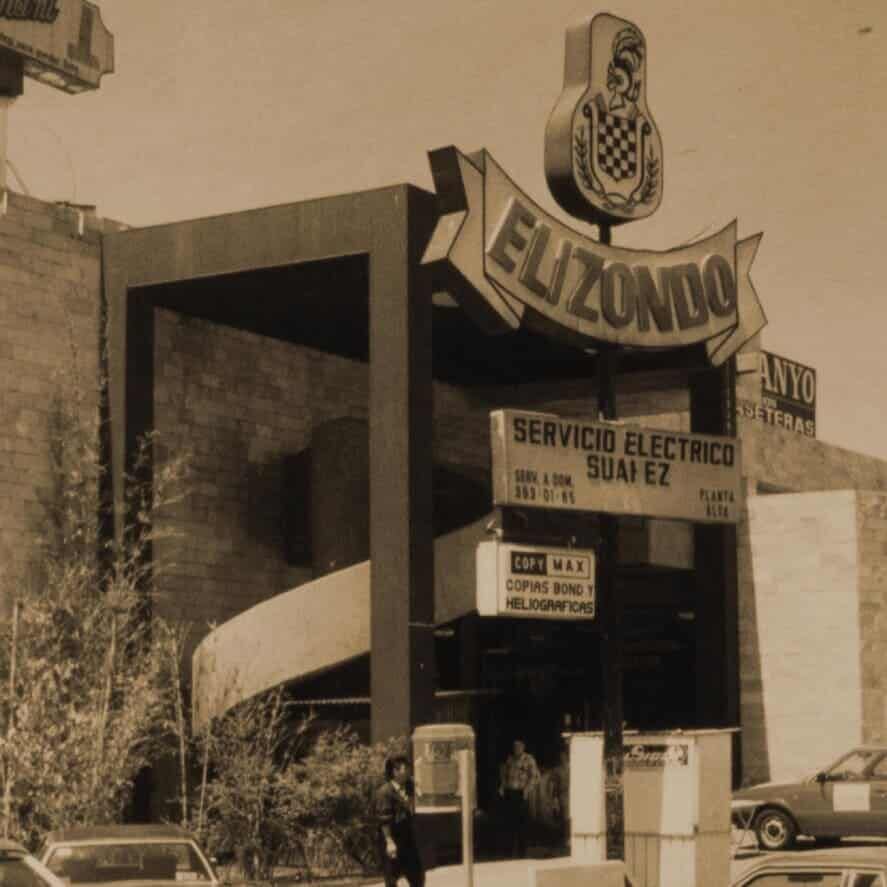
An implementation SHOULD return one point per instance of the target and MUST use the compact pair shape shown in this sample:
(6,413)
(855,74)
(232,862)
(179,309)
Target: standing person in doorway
(518,777)
(560,796)
(395,808)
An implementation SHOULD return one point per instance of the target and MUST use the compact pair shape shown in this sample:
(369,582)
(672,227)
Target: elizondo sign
(510,263)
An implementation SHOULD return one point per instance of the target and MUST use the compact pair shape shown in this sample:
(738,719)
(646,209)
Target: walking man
(395,806)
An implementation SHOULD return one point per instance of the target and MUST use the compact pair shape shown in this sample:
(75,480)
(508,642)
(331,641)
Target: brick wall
(49,305)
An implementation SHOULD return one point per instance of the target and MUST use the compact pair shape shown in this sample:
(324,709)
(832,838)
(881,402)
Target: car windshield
(23,871)
(135,861)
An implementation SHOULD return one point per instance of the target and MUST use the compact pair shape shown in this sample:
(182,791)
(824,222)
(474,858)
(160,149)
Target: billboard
(788,395)
(63,43)
(544,461)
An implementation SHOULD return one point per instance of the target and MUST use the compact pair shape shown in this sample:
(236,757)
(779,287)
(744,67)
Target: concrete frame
(389,226)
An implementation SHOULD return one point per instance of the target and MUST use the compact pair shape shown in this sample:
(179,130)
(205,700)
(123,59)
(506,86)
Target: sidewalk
(499,873)
(516,872)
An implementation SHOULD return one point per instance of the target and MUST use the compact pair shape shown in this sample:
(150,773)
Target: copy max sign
(527,581)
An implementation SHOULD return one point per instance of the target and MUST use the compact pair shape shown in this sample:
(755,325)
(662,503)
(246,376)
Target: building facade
(334,408)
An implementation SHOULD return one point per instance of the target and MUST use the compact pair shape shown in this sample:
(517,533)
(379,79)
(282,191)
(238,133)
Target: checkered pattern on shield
(617,143)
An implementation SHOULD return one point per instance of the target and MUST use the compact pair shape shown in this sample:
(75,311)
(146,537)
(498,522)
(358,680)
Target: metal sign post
(466,768)
(611,642)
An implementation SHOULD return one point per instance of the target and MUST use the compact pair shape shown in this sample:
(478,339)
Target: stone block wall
(49,305)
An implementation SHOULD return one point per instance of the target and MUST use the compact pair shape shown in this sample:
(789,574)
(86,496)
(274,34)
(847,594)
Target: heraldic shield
(603,152)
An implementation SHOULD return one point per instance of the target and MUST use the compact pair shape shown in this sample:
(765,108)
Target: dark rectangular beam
(712,411)
(401,462)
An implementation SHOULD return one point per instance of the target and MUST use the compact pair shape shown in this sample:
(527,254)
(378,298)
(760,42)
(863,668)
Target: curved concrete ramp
(316,626)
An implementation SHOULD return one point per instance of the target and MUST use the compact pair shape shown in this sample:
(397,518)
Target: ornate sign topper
(63,43)
(509,263)
(603,152)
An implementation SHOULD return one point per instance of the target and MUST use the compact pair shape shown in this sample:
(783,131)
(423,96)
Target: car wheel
(775,829)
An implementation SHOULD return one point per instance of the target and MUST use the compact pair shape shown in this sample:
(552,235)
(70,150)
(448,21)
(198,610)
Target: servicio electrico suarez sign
(543,461)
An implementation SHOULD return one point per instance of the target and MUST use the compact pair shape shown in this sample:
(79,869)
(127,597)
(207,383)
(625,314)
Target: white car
(127,855)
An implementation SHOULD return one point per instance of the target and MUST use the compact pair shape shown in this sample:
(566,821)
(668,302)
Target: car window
(103,863)
(866,879)
(879,771)
(853,766)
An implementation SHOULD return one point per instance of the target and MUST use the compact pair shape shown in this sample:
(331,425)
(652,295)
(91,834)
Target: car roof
(857,855)
(117,833)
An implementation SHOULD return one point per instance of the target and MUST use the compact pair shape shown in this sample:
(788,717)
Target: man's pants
(517,818)
(406,864)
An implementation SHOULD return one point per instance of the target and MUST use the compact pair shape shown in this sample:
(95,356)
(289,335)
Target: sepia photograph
(442,443)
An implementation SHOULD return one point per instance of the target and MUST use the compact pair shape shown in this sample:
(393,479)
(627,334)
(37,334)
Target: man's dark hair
(392,763)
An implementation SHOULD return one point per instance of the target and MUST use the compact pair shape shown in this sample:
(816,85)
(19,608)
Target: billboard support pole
(12,69)
(611,627)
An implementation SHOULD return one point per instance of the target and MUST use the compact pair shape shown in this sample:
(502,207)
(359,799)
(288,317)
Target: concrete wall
(800,638)
(871,529)
(790,462)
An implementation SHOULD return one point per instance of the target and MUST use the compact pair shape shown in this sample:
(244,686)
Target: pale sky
(772,113)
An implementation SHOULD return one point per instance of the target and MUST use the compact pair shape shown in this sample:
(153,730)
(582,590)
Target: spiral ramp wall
(315,627)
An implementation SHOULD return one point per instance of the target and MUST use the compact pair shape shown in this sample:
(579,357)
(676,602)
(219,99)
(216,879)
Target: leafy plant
(83,671)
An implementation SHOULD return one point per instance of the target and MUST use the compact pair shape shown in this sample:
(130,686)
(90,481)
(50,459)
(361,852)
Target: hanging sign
(509,263)
(603,152)
(543,461)
(529,581)
(63,43)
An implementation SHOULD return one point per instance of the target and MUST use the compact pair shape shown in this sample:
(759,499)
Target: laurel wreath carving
(644,193)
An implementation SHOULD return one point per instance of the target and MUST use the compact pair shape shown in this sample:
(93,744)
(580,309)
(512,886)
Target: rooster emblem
(612,172)
(624,70)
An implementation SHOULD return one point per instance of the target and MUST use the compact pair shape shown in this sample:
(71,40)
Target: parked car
(19,869)
(839,867)
(847,798)
(127,854)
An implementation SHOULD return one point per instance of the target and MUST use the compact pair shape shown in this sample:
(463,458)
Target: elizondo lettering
(680,296)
